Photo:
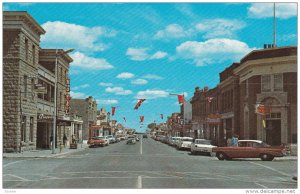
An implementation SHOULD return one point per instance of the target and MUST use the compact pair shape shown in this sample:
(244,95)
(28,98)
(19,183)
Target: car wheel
(221,156)
(266,157)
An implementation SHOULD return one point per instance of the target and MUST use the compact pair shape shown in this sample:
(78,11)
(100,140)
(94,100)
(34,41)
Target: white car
(174,141)
(184,143)
(111,139)
(202,146)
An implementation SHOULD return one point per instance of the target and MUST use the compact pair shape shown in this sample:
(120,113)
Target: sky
(128,51)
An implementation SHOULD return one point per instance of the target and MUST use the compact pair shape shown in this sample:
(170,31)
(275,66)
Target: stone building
(269,77)
(21,40)
(87,108)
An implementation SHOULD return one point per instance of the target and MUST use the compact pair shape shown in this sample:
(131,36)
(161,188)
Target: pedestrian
(229,142)
(235,141)
(51,141)
(65,139)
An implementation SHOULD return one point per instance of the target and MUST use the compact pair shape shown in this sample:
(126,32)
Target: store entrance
(273,132)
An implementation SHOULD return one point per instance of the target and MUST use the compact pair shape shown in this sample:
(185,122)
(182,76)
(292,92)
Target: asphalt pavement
(147,164)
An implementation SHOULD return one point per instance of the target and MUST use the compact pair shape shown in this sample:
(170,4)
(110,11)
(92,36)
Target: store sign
(214,118)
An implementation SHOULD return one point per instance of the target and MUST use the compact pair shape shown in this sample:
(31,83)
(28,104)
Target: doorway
(273,132)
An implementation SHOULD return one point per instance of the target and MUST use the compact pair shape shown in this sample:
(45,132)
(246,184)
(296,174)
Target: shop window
(31,130)
(23,129)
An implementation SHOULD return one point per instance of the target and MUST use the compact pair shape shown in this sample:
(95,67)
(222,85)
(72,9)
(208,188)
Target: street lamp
(55,97)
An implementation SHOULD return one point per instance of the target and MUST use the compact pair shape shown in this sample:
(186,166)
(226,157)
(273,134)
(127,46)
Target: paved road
(147,164)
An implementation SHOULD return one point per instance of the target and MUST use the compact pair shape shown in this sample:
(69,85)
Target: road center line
(282,173)
(141,147)
(139,182)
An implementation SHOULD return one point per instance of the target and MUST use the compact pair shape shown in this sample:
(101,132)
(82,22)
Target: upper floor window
(272,83)
(33,54)
(278,82)
(26,49)
(25,85)
(266,83)
(247,88)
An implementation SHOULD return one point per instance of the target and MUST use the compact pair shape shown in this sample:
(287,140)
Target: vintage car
(202,146)
(250,149)
(131,140)
(184,143)
(111,139)
(174,140)
(98,141)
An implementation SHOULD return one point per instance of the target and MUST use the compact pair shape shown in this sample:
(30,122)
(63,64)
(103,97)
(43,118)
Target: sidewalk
(45,153)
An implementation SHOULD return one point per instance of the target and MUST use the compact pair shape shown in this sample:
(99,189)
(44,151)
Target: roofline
(28,16)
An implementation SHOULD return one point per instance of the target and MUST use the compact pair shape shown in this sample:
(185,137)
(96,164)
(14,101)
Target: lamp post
(55,97)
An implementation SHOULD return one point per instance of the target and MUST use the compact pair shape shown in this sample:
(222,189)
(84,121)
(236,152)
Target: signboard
(262,109)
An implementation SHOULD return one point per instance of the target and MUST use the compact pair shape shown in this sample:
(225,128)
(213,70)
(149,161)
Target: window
(23,129)
(278,82)
(31,130)
(25,85)
(26,49)
(246,88)
(33,54)
(32,88)
(265,83)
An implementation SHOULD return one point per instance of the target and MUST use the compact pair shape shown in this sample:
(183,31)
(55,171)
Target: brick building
(269,77)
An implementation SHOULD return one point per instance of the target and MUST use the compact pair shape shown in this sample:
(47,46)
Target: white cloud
(159,55)
(106,102)
(151,76)
(137,54)
(214,28)
(81,86)
(151,94)
(265,10)
(86,62)
(62,34)
(172,31)
(125,75)
(140,54)
(118,91)
(139,82)
(105,84)
(213,51)
(78,95)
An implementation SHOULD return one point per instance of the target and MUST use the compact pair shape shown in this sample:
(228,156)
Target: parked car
(250,149)
(202,146)
(111,138)
(98,141)
(131,140)
(145,136)
(184,143)
(174,141)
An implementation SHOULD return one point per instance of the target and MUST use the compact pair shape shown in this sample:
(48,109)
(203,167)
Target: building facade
(21,40)
(29,84)
(269,77)
(87,109)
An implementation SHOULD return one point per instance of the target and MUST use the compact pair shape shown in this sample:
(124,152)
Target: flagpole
(274,27)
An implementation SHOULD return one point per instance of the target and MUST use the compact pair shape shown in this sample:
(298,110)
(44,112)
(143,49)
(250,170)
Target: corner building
(269,77)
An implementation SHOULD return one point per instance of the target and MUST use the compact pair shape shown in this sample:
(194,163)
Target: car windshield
(187,139)
(99,138)
(206,142)
(109,136)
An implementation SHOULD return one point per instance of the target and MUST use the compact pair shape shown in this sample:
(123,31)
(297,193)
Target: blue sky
(128,51)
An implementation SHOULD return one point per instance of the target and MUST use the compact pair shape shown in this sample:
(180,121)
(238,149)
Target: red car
(250,149)
(98,141)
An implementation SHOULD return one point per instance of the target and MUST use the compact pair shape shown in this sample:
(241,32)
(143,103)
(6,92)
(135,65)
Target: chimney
(265,46)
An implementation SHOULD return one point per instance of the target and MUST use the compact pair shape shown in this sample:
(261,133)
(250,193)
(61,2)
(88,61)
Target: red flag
(161,116)
(142,119)
(139,104)
(124,119)
(113,109)
(180,99)
(209,99)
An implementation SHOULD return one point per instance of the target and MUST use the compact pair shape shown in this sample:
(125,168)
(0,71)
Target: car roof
(250,140)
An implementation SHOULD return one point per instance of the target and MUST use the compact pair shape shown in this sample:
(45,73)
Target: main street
(146,164)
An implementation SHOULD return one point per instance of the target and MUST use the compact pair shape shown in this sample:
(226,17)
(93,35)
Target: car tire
(266,157)
(221,156)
